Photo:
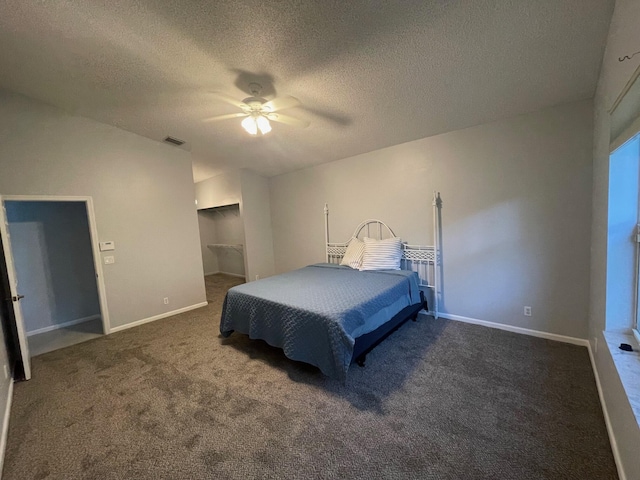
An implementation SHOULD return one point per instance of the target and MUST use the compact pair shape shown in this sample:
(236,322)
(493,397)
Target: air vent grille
(174,141)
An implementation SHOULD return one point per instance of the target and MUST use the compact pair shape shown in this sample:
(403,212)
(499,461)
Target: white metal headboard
(423,259)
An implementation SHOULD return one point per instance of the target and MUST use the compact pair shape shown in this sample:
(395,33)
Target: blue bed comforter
(315,313)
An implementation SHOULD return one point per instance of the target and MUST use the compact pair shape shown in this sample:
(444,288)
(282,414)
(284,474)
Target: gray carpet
(437,400)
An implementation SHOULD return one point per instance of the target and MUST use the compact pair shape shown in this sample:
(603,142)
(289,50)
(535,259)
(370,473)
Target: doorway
(221,242)
(56,265)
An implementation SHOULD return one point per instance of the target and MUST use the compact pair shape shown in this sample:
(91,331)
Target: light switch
(106,246)
(109,260)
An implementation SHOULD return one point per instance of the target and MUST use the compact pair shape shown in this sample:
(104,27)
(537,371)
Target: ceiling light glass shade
(250,125)
(263,125)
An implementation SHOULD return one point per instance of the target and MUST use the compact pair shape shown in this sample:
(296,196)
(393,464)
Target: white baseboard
(525,331)
(158,317)
(63,325)
(206,274)
(5,425)
(233,274)
(225,273)
(607,422)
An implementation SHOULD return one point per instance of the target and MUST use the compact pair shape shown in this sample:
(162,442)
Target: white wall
(516,213)
(256,214)
(143,198)
(624,39)
(51,247)
(219,190)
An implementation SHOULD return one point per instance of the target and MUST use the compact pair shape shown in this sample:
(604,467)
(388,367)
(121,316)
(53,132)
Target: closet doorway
(222,244)
(222,240)
(50,247)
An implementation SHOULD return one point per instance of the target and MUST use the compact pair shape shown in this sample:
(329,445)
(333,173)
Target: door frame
(95,244)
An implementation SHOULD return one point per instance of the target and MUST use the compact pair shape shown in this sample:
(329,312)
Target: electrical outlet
(527,311)
(257,277)
(109,260)
(166,300)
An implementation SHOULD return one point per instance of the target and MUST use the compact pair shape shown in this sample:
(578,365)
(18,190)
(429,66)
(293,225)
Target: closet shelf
(234,246)
(222,210)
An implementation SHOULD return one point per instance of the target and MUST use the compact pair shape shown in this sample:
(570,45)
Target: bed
(331,315)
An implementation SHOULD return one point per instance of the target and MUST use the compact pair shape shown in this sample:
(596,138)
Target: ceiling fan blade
(224,117)
(232,101)
(280,103)
(288,120)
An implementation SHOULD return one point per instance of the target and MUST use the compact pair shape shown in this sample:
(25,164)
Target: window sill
(628,366)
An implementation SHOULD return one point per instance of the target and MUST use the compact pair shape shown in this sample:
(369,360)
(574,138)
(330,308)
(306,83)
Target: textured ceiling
(369,74)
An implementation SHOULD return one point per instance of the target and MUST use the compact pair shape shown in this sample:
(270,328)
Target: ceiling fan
(258,111)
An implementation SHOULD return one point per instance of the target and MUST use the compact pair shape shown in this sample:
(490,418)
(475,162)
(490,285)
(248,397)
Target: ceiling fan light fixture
(250,125)
(263,124)
(253,123)
(260,112)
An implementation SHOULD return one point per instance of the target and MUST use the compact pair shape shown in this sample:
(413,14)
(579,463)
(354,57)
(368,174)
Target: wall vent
(174,141)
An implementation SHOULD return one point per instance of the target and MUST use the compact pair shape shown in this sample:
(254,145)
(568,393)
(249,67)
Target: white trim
(63,325)
(233,274)
(525,331)
(44,198)
(5,424)
(607,421)
(158,317)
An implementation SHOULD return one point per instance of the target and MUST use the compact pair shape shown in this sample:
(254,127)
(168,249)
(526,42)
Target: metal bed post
(437,203)
(326,231)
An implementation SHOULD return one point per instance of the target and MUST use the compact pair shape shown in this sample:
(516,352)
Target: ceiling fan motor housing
(255,103)
(261,109)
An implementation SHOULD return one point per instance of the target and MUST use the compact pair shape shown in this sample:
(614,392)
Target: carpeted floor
(437,400)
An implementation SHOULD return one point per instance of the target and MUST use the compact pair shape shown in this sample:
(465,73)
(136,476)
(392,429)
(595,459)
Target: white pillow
(353,256)
(382,254)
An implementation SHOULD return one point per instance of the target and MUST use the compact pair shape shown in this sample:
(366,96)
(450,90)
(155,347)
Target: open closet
(222,240)
(235,225)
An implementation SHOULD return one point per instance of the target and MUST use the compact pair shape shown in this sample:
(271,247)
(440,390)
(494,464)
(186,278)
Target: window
(623,229)
(623,270)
